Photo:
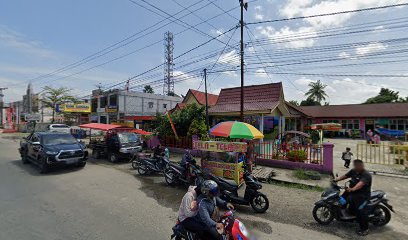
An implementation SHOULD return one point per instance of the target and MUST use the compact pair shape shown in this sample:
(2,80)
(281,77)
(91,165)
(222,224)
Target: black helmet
(209,188)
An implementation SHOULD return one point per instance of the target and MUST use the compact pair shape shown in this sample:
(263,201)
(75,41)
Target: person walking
(346,156)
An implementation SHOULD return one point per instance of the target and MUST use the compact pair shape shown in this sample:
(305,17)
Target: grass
(300,174)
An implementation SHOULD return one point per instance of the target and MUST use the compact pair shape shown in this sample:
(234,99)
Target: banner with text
(216,146)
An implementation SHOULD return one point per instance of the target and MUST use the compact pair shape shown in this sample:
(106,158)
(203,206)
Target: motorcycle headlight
(51,153)
(243,229)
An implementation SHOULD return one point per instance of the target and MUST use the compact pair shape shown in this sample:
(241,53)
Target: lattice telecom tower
(168,86)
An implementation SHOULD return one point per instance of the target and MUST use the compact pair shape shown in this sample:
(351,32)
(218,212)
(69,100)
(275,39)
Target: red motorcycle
(234,229)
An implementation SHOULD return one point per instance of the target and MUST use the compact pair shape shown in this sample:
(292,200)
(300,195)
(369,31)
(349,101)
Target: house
(264,107)
(360,117)
(197,97)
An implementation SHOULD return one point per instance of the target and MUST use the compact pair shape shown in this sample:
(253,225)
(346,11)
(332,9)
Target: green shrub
(296,155)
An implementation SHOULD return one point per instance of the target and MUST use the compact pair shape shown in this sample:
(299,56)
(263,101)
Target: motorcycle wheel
(135,164)
(142,170)
(323,215)
(169,177)
(382,216)
(259,203)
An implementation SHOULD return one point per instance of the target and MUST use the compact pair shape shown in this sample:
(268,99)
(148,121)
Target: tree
(294,102)
(53,96)
(316,91)
(171,94)
(148,89)
(189,120)
(386,96)
(310,102)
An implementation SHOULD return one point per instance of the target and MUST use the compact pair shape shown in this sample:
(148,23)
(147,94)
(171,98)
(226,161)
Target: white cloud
(261,73)
(344,55)
(299,38)
(258,13)
(12,39)
(229,58)
(370,48)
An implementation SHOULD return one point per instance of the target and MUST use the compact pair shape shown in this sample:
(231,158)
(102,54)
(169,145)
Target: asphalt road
(105,201)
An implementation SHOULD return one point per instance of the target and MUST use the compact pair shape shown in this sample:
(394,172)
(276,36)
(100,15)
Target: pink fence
(292,156)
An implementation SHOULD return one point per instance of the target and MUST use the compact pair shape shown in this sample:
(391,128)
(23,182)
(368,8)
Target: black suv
(47,149)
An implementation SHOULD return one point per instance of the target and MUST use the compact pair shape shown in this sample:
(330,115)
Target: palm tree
(316,91)
(53,96)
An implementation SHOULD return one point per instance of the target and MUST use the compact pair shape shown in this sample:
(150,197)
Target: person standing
(346,156)
(359,193)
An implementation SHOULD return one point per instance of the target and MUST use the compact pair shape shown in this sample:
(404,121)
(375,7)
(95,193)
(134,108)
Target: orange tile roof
(200,97)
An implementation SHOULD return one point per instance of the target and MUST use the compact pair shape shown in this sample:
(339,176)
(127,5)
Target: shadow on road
(32,169)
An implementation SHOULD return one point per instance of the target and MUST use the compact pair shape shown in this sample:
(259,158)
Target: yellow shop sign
(78,107)
(216,146)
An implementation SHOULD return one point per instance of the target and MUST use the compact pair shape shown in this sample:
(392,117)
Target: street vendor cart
(115,142)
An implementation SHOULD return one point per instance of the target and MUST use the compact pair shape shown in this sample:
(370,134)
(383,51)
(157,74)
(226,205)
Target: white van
(63,128)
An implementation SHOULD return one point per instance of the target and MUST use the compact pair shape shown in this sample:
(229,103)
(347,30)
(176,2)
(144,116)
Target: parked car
(47,149)
(59,128)
(116,146)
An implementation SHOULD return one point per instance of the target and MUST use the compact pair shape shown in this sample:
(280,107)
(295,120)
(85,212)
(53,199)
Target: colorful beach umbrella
(234,129)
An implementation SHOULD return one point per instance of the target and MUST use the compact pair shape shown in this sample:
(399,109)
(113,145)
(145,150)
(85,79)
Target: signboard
(216,146)
(225,170)
(32,117)
(76,108)
(111,109)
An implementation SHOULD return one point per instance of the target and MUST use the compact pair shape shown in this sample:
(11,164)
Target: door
(369,125)
(34,147)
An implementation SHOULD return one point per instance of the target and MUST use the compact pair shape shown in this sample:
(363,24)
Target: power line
(330,14)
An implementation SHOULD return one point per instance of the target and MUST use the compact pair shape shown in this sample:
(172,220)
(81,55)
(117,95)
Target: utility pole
(1,105)
(241,22)
(207,121)
(168,86)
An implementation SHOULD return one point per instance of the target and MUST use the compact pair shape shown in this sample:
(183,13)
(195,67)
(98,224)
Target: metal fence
(173,142)
(385,157)
(309,154)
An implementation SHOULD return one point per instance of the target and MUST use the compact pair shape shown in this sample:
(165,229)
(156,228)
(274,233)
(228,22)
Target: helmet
(209,188)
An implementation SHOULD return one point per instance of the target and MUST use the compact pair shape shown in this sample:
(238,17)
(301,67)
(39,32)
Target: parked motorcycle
(146,165)
(229,192)
(234,229)
(137,158)
(333,206)
(177,174)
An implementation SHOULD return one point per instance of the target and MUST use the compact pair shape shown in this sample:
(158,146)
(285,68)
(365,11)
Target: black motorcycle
(229,192)
(334,206)
(177,174)
(148,165)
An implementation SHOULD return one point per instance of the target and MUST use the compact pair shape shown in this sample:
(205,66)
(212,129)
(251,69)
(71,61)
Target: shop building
(138,108)
(360,117)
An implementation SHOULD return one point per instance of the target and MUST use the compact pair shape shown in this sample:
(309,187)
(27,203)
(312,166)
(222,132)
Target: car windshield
(128,137)
(54,139)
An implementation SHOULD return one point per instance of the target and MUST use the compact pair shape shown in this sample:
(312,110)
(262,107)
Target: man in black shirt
(359,193)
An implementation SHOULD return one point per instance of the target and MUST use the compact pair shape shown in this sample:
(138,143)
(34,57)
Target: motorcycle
(174,173)
(233,229)
(147,165)
(229,192)
(334,206)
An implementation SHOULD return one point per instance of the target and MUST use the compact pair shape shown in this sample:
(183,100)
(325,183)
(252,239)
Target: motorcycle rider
(186,160)
(358,193)
(208,213)
(189,209)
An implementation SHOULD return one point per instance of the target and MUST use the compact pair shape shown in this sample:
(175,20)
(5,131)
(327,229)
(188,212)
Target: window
(151,104)
(398,124)
(356,124)
(94,104)
(103,102)
(164,105)
(113,100)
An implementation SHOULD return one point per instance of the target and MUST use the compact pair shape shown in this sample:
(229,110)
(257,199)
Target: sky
(82,44)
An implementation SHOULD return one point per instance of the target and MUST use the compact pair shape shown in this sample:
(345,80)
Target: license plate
(71,161)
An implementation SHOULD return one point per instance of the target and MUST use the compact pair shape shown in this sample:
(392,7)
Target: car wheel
(24,158)
(323,215)
(113,158)
(81,164)
(44,168)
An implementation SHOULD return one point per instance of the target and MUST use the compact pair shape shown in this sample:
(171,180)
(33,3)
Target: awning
(141,131)
(99,126)
(140,118)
